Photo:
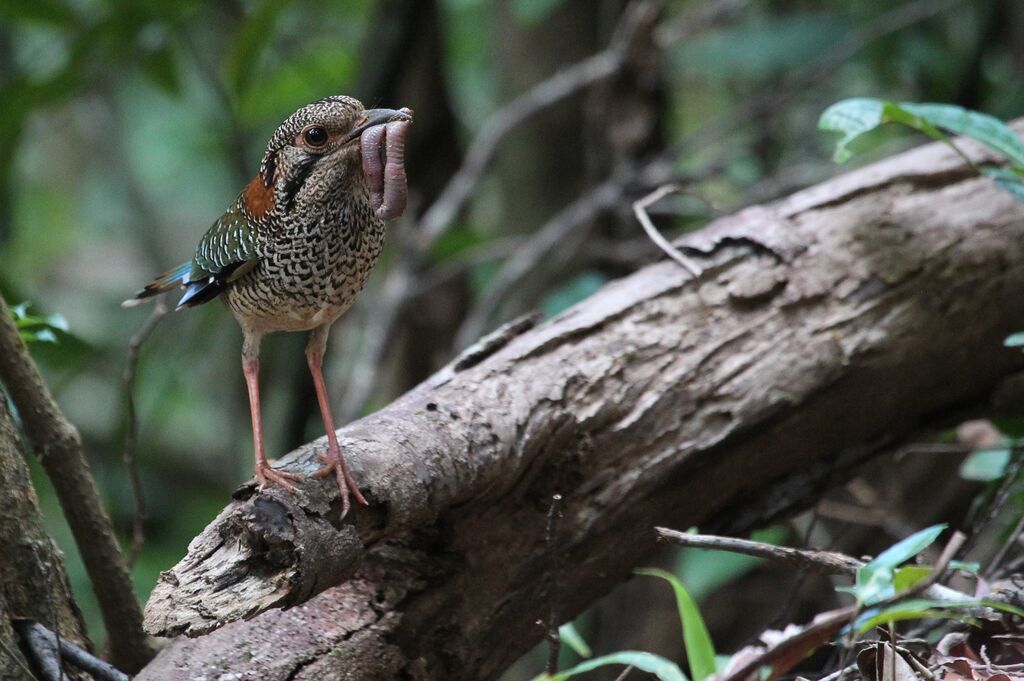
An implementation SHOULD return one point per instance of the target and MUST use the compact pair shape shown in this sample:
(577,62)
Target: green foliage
(854,118)
(700,651)
(35,328)
(127,127)
(569,636)
(534,11)
(912,609)
(242,63)
(665,670)
(704,571)
(1015,340)
(764,46)
(985,465)
(876,580)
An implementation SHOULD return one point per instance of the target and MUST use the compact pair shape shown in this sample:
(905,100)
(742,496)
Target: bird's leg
(334,460)
(251,367)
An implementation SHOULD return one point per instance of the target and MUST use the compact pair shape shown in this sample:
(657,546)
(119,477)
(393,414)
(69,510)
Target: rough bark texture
(825,328)
(58,446)
(33,580)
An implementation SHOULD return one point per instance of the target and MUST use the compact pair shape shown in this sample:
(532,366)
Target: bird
(296,247)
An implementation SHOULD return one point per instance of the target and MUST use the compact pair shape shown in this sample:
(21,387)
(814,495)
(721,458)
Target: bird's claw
(266,475)
(335,464)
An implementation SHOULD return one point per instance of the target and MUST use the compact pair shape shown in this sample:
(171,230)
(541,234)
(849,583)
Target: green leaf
(852,118)
(37,329)
(570,637)
(985,465)
(909,576)
(700,651)
(1010,180)
(1002,607)
(666,670)
(855,117)
(1015,340)
(876,580)
(971,567)
(912,609)
(921,608)
(988,130)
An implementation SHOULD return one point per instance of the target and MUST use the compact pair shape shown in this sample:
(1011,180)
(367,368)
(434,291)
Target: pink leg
(334,460)
(264,473)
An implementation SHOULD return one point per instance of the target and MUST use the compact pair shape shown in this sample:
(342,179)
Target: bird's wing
(226,252)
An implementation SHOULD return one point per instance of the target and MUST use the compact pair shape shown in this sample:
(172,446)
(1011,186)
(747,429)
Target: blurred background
(126,128)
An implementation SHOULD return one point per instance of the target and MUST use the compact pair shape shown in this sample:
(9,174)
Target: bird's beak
(371,117)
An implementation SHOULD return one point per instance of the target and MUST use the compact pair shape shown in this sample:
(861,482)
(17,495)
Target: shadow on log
(824,329)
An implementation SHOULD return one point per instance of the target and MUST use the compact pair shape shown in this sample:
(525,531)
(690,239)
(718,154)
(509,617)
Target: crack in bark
(657,401)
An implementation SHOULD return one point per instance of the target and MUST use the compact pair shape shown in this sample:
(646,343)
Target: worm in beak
(382,142)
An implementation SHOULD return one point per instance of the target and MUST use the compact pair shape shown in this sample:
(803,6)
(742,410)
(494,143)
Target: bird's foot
(334,463)
(266,475)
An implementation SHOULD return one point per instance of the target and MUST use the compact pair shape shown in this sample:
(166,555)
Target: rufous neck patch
(258,198)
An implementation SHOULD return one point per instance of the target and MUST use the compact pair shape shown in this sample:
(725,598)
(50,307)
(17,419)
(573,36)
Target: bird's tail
(172,279)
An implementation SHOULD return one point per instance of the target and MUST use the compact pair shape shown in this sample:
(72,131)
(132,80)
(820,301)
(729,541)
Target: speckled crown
(333,107)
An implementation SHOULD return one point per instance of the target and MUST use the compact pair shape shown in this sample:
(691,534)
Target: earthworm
(396,187)
(371,143)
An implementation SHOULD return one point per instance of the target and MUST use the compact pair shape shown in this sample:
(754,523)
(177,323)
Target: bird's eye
(315,136)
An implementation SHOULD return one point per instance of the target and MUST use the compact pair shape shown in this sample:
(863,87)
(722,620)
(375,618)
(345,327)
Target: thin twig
(58,446)
(563,84)
(551,544)
(640,210)
(625,672)
(839,673)
(826,625)
(131,434)
(823,562)
(997,560)
(14,655)
(999,499)
(552,236)
(401,285)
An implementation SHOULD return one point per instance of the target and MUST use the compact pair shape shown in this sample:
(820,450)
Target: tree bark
(33,579)
(58,446)
(824,328)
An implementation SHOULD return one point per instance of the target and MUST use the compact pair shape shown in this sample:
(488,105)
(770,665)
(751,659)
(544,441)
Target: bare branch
(640,209)
(826,562)
(131,435)
(58,446)
(659,400)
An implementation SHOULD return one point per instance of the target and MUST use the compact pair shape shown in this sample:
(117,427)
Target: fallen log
(823,329)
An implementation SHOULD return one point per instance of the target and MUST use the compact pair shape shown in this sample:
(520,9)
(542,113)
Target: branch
(49,650)
(33,576)
(131,436)
(825,562)
(808,344)
(58,446)
(402,284)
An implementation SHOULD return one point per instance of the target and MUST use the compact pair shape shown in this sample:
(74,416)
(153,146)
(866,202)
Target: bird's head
(315,153)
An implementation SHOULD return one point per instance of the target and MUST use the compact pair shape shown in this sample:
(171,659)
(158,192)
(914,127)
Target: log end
(272,550)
